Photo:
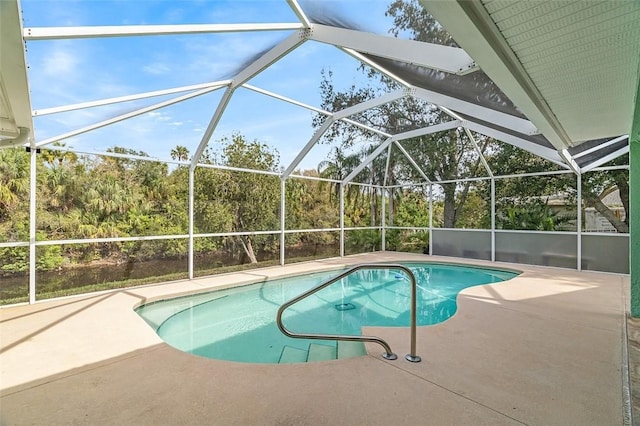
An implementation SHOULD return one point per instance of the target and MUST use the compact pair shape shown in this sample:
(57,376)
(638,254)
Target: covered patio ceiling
(15,106)
(564,74)
(571,67)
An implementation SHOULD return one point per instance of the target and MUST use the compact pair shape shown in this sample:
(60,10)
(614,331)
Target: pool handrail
(388,354)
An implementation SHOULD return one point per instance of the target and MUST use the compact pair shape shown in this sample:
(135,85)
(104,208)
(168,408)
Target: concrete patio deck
(545,348)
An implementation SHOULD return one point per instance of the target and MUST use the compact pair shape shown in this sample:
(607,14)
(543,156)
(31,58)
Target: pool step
(290,355)
(320,352)
(350,349)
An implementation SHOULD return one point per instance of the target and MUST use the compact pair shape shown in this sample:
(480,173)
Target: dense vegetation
(82,197)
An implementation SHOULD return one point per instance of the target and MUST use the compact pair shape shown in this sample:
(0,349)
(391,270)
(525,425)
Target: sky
(63,72)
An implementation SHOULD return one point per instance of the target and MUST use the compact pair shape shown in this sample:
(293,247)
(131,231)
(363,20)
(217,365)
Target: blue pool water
(238,324)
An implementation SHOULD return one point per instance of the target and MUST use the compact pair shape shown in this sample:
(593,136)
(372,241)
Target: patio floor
(544,348)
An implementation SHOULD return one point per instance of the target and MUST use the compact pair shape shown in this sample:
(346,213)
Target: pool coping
(176,305)
(560,301)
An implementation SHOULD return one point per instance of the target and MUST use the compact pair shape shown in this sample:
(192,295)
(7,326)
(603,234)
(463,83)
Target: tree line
(83,197)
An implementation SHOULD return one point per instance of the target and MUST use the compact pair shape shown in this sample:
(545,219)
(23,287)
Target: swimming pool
(238,324)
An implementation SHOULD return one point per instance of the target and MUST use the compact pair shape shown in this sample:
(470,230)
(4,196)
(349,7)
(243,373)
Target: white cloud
(160,116)
(157,68)
(60,60)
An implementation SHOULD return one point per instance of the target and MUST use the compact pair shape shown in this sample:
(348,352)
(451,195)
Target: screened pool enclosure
(154,141)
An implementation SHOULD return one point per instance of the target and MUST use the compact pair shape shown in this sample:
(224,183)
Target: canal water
(16,285)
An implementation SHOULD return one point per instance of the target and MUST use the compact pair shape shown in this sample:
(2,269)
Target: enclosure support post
(341,219)
(384,221)
(493,219)
(191,227)
(283,182)
(32,225)
(390,212)
(634,204)
(430,219)
(579,222)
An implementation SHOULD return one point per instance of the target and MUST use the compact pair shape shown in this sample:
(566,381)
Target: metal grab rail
(388,354)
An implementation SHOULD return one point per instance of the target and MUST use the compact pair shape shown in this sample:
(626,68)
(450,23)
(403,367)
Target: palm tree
(63,183)
(180,153)
(14,179)
(338,167)
(52,156)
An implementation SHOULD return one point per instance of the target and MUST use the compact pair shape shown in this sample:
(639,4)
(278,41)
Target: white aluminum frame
(57,33)
(128,98)
(406,135)
(600,146)
(444,58)
(353,43)
(302,17)
(191,236)
(604,160)
(125,116)
(507,121)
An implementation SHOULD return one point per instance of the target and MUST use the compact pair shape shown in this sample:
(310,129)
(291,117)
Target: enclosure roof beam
(387,165)
(568,159)
(620,152)
(285,99)
(213,123)
(479,151)
(145,95)
(362,58)
(293,4)
(444,58)
(507,121)
(315,109)
(473,141)
(125,116)
(342,114)
(53,33)
(413,162)
(470,136)
(406,135)
(541,151)
(365,127)
(371,103)
(421,132)
(380,149)
(312,142)
(277,52)
(428,130)
(601,146)
(73,150)
(450,113)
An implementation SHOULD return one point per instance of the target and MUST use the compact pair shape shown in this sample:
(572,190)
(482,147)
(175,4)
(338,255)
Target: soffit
(582,56)
(15,105)
(568,66)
